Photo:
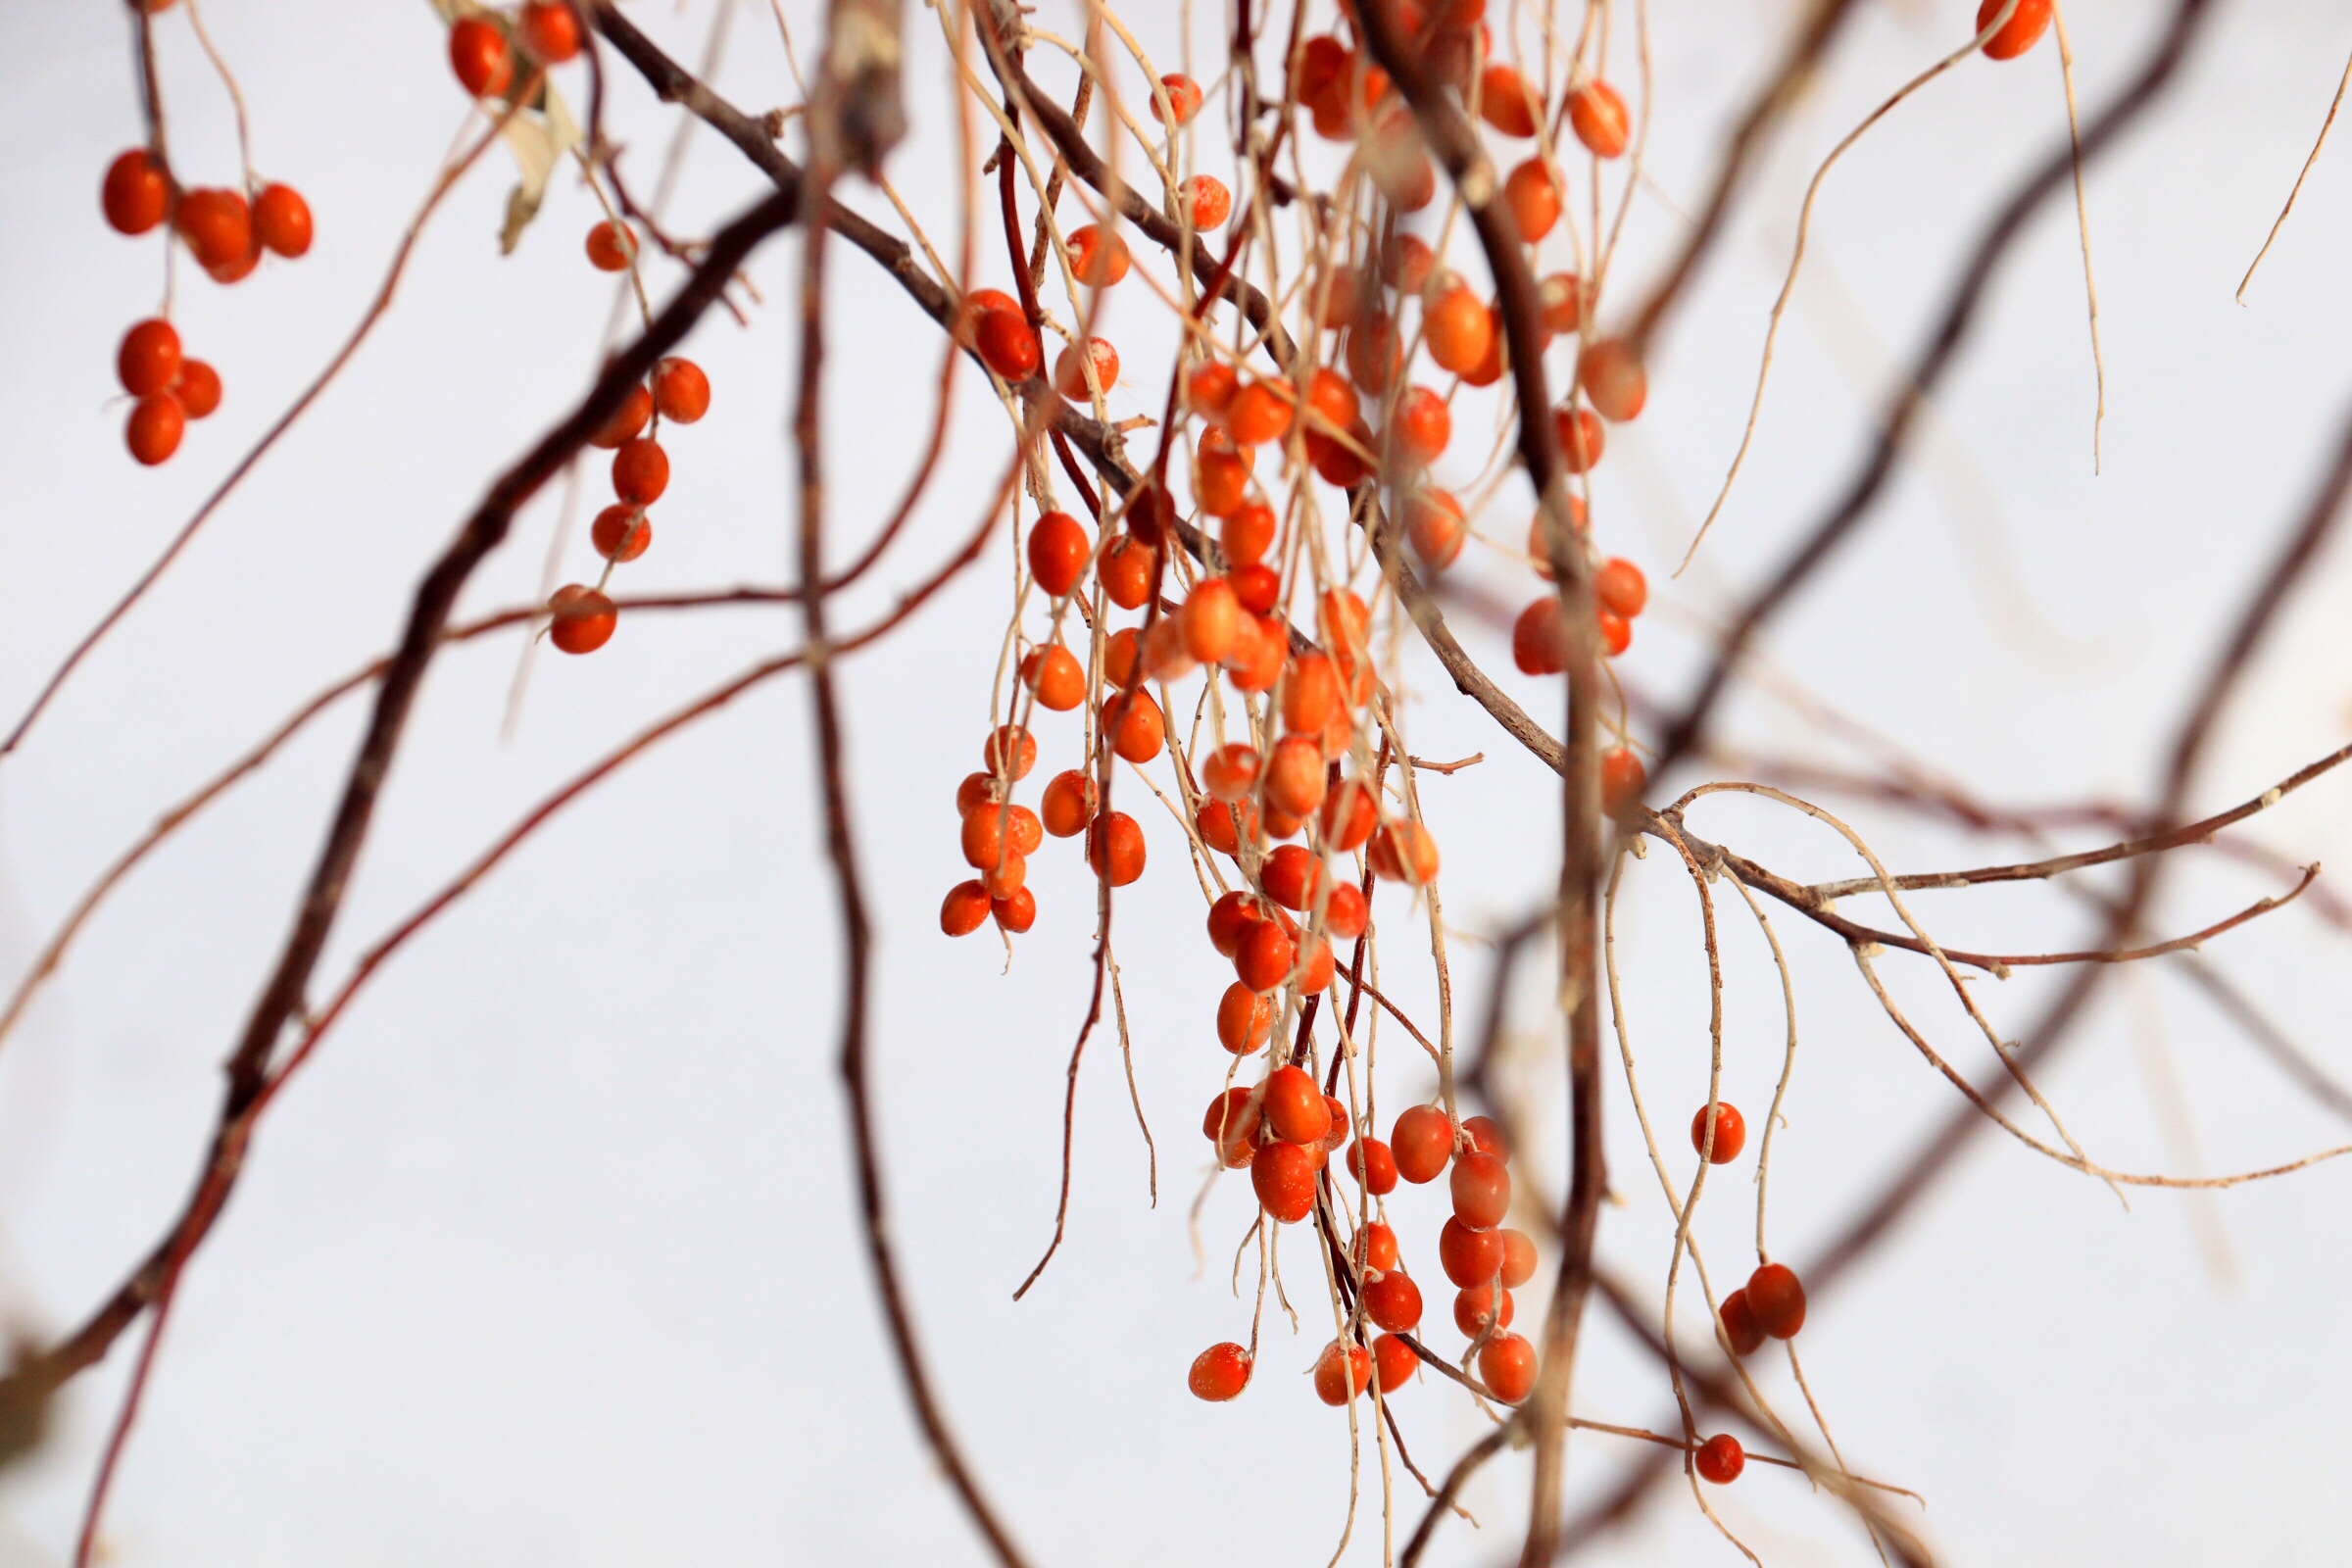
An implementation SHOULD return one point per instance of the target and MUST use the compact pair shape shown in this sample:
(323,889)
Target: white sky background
(551,1256)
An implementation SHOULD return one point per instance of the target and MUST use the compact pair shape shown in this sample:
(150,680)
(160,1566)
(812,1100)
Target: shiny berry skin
(1206,201)
(1265,958)
(1375,1247)
(1434,527)
(1296,775)
(1184,97)
(1350,814)
(1422,1142)
(1219,1373)
(1485,1136)
(1284,1179)
(1007,345)
(1341,1372)
(1481,1189)
(1141,730)
(478,54)
(1598,114)
(1228,772)
(583,620)
(1533,199)
(621,532)
(1291,876)
(1622,779)
(1476,1312)
(1394,1361)
(1731,1133)
(1114,848)
(1260,412)
(1208,388)
(551,29)
(626,422)
(1394,1301)
(1720,1458)
(1293,1106)
(1125,572)
(1059,549)
(1369,1162)
(1070,367)
(1211,618)
(1244,1019)
(1232,1117)
(2021,32)
(281,221)
(1582,437)
(1504,102)
(1099,257)
(1518,1259)
(1778,1299)
(1016,913)
(964,908)
(1507,1367)
(611,246)
(640,472)
(1346,913)
(1540,638)
(1620,587)
(1068,803)
(197,389)
(1403,852)
(1469,1256)
(156,426)
(1420,427)
(148,361)
(1740,1325)
(135,195)
(681,391)
(1009,747)
(1057,676)
(218,226)
(1230,920)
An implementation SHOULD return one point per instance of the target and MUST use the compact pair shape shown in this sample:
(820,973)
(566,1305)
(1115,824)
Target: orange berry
(681,391)
(148,361)
(1248,533)
(1539,536)
(1778,1299)
(627,420)
(1009,346)
(1341,1372)
(1059,549)
(1005,880)
(1398,163)
(985,836)
(1099,257)
(1067,805)
(1507,1367)
(976,790)
(1069,367)
(1293,878)
(1056,675)
(551,29)
(1219,1373)
(281,221)
(1394,1361)
(1310,694)
(1212,617)
(1315,966)
(1616,635)
(1118,655)
(977,303)
(1485,1137)
(611,247)
(1620,587)
(1435,528)
(1369,1162)
(1209,388)
(1260,412)
(1457,329)
(1284,1178)
(1394,1301)
(1720,1458)
(1293,1106)
(1562,299)
(583,620)
(1741,1330)
(1598,114)
(1518,1259)
(1469,1256)
(1340,292)
(2021,32)
(218,226)
(1184,98)
(1008,748)
(1613,378)
(1622,779)
(1374,354)
(1016,913)
(639,470)
(1422,1142)
(1206,201)
(1581,437)
(1294,780)
(1403,852)
(1349,816)
(1266,956)
(1375,1247)
(1244,1019)
(621,532)
(1114,848)
(135,195)
(1228,772)
(1482,1189)
(1230,920)
(1731,1133)
(1540,638)
(1504,102)
(157,423)
(1164,654)
(1347,911)
(1220,481)
(1257,586)
(964,908)
(478,54)
(1125,572)
(1483,1308)
(1534,198)
(1140,730)
(197,388)
(1406,263)
(1420,426)
(1232,1119)
(1257,663)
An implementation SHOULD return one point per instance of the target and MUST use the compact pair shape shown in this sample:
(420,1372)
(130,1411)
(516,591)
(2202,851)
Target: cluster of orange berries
(226,234)
(482,46)
(583,618)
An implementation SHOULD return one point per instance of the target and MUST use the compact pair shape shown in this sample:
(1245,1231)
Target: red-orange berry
(1394,1301)
(1740,1329)
(1284,1179)
(1581,437)
(640,472)
(1507,1367)
(1394,1361)
(1485,1137)
(1341,1372)
(1349,816)
(627,420)
(1184,98)
(217,228)
(1534,198)
(1295,777)
(964,908)
(478,54)
(197,389)
(976,790)
(1059,549)
(583,620)
(1423,1142)
(1310,694)
(281,221)
(1067,805)
(1114,848)
(1518,1259)
(1778,1299)
(135,195)
(1504,102)
(1212,620)
(1563,298)
(148,361)
(1230,920)
(1420,426)
(1731,1133)
(1069,367)
(1099,257)
(2021,32)
(1125,572)
(1616,632)
(1482,1189)
(1540,638)
(1228,772)
(1009,346)
(1403,852)
(1598,114)
(1244,1019)
(1056,675)
(983,835)
(1620,587)
(1135,725)
(1016,913)
(1720,1458)
(1292,876)
(1219,1373)
(1613,378)
(551,29)
(1293,1106)
(1622,779)
(1406,263)
(1260,412)
(1457,329)
(1266,956)
(1483,1309)
(1370,1163)
(157,423)
(1375,1247)
(681,391)
(611,247)
(1208,388)
(1206,201)
(621,532)
(1374,354)
(1008,748)
(1469,1256)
